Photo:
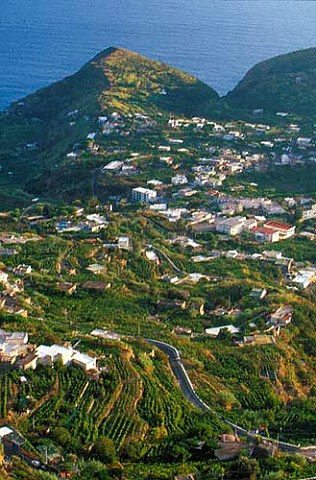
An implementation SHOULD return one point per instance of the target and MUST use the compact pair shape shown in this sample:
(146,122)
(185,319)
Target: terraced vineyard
(134,398)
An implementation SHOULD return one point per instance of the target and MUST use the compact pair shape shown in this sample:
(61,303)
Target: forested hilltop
(137,207)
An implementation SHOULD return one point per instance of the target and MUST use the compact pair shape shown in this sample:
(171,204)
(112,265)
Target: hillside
(38,130)
(135,402)
(117,80)
(128,217)
(43,136)
(284,83)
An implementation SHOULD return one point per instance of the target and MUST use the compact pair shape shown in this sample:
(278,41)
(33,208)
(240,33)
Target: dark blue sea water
(218,40)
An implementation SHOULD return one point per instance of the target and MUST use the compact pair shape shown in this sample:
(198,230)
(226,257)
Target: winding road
(191,395)
(180,374)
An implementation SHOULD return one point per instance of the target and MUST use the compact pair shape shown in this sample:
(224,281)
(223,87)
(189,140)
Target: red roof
(278,225)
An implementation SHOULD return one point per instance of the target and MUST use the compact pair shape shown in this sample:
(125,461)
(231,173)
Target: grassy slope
(137,81)
(116,78)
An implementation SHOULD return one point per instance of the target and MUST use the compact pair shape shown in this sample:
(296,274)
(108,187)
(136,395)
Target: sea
(42,41)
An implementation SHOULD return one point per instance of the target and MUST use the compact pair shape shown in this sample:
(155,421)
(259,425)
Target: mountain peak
(117,79)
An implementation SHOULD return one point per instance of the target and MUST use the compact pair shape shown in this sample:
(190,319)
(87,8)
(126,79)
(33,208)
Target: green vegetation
(285,179)
(55,118)
(282,84)
(175,278)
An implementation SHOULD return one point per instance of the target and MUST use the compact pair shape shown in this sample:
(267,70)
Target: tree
(134,451)
(61,436)
(224,334)
(93,470)
(279,475)
(227,399)
(216,471)
(47,210)
(104,450)
(178,453)
(246,468)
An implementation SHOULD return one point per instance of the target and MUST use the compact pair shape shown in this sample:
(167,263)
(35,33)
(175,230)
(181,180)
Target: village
(187,184)
(180,240)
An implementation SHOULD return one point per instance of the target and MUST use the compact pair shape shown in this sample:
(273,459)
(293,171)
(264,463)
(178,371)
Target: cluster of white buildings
(280,318)
(12,345)
(93,223)
(8,298)
(234,225)
(16,351)
(309,213)
(48,355)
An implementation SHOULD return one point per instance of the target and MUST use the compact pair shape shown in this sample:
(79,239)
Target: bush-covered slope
(283,83)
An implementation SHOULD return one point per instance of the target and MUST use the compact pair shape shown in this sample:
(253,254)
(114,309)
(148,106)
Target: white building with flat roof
(49,355)
(5,431)
(305,277)
(140,194)
(124,243)
(179,180)
(84,361)
(230,226)
(214,332)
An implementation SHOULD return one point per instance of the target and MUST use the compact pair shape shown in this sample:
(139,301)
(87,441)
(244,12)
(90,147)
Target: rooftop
(278,225)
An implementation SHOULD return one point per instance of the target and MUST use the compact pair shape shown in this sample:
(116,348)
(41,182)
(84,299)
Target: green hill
(55,118)
(283,83)
(120,80)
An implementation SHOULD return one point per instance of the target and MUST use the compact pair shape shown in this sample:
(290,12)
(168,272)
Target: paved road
(163,254)
(189,392)
(180,374)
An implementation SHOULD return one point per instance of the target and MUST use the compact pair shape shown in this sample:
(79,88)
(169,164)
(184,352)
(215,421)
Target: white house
(96,268)
(305,277)
(49,355)
(214,332)
(113,166)
(304,142)
(179,180)
(124,243)
(84,361)
(140,194)
(231,226)
(5,431)
(3,277)
(309,213)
